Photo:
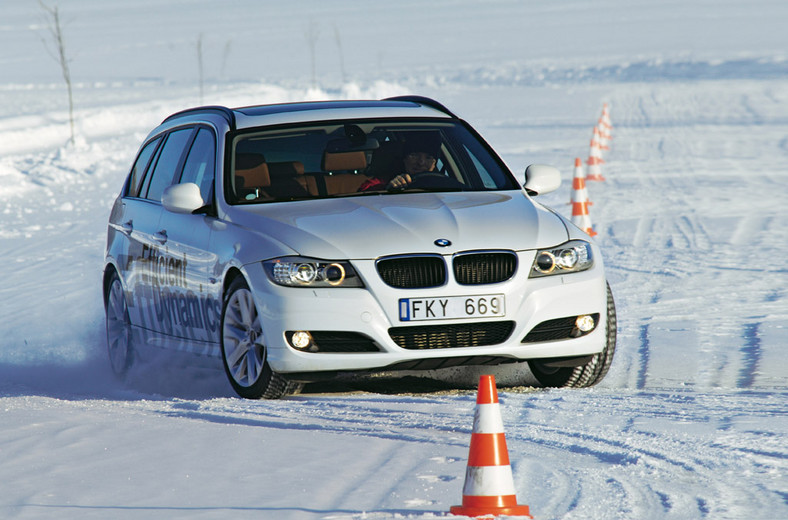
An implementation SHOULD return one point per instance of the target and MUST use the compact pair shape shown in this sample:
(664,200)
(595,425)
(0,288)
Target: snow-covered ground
(690,423)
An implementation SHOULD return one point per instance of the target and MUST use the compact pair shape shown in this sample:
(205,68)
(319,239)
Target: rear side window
(166,171)
(139,168)
(200,165)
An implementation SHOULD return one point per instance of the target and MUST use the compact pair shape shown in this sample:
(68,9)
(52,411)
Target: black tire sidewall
(124,369)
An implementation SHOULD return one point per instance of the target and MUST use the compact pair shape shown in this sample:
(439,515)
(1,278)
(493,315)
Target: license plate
(451,307)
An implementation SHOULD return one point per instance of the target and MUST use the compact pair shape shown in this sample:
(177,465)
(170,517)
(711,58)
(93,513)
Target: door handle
(160,236)
(127,227)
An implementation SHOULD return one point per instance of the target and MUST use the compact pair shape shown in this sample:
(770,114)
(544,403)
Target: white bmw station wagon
(299,242)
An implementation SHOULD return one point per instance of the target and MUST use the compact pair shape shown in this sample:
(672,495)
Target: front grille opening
(484,268)
(413,272)
(557,329)
(452,336)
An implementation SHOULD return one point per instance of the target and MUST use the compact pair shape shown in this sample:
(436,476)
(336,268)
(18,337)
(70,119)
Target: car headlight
(299,271)
(571,257)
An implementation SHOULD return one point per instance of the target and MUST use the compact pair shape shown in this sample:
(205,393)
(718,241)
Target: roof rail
(227,113)
(423,101)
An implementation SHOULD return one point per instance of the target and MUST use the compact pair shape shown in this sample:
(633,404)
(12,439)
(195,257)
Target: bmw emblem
(443,242)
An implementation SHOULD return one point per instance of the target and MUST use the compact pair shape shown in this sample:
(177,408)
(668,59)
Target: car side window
(166,171)
(139,168)
(200,164)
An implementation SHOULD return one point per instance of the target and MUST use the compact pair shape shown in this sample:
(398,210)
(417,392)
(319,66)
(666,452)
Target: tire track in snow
(751,352)
(749,228)
(747,105)
(649,469)
(355,417)
(643,354)
(646,462)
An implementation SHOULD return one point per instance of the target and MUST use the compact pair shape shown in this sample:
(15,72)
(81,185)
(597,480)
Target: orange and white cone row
(489,485)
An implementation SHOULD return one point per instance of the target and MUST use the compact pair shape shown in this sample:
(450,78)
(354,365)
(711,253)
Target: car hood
(372,226)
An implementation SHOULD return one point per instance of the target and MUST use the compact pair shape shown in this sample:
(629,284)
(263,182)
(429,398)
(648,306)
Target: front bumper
(374,310)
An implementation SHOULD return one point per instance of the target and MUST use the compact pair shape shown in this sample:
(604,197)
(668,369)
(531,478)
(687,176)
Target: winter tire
(119,343)
(244,353)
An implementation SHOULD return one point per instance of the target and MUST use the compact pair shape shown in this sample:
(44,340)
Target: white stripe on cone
(487,419)
(487,481)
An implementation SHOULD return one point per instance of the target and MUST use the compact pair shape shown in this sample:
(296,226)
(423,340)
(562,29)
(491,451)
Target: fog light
(301,340)
(585,323)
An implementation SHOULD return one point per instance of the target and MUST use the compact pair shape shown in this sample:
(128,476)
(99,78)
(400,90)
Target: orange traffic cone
(603,136)
(604,121)
(604,127)
(579,190)
(489,485)
(604,133)
(595,162)
(599,142)
(580,204)
(599,138)
(595,153)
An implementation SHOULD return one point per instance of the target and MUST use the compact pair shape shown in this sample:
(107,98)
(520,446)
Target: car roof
(283,113)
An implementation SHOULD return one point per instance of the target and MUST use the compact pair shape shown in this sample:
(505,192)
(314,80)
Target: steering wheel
(434,180)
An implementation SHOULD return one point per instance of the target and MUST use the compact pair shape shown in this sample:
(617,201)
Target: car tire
(116,311)
(244,353)
(589,373)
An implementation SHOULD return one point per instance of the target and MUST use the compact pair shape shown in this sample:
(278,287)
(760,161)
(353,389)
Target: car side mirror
(541,179)
(182,198)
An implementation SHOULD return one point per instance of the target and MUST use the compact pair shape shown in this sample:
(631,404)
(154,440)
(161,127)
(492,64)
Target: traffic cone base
(584,223)
(484,510)
(593,160)
(595,173)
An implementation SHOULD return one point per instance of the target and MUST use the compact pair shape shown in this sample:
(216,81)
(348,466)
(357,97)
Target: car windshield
(341,159)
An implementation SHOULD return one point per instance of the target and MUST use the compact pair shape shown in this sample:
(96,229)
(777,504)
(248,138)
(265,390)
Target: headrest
(247,161)
(256,177)
(286,169)
(342,161)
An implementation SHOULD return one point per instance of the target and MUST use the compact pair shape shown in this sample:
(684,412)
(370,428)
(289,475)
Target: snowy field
(690,423)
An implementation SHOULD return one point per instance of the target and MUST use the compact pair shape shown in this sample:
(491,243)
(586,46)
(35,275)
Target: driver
(420,152)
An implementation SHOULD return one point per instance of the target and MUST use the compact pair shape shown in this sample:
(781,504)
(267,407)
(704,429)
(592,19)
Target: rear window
(140,167)
(341,159)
